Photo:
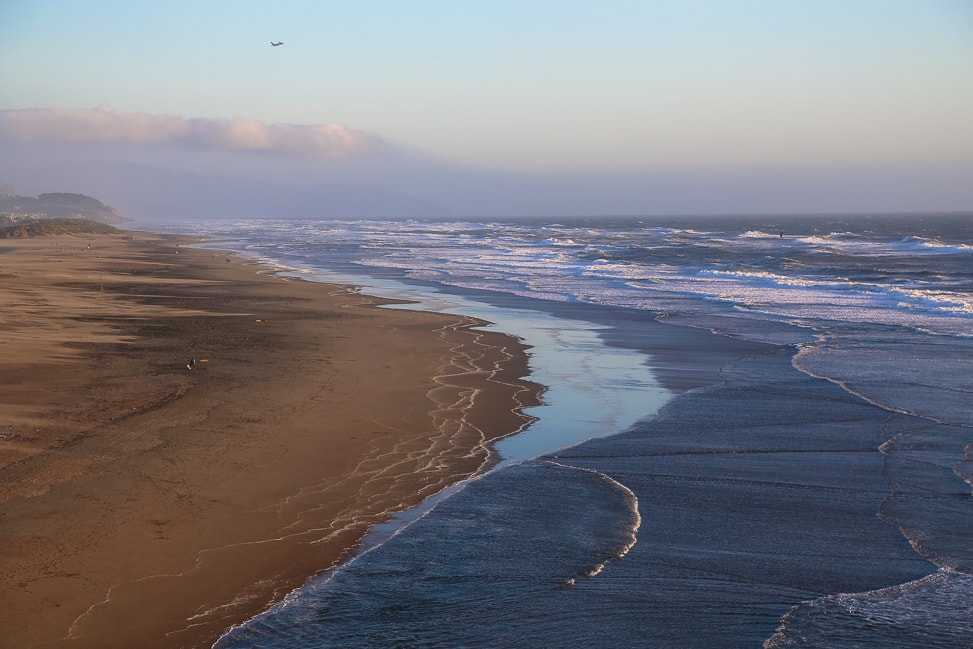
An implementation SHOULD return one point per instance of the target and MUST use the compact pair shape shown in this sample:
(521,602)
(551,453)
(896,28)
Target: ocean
(757,432)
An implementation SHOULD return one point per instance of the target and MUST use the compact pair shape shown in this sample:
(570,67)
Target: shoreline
(146,504)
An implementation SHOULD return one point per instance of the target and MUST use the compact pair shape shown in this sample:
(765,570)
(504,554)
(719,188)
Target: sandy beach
(147,504)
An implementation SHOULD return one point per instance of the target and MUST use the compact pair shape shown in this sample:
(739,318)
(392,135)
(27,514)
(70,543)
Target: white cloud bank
(108,125)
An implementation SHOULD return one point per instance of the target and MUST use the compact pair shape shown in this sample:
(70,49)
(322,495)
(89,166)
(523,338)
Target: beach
(742,440)
(185,437)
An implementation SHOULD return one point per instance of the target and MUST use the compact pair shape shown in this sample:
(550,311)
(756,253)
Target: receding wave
(504,546)
(916,615)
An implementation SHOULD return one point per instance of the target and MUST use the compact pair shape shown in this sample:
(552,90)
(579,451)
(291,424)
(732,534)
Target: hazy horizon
(496,110)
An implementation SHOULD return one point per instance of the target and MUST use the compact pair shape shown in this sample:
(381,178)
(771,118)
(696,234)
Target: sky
(653,106)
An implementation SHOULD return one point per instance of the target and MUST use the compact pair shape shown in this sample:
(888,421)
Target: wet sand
(146,504)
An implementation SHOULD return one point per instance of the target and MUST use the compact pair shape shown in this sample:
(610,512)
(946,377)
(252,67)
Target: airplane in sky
(276,44)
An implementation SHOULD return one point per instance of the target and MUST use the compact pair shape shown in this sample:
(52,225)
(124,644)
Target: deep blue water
(779,425)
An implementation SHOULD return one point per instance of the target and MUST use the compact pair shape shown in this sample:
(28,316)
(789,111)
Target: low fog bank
(153,186)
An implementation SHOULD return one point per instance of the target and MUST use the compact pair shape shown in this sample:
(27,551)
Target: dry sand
(144,504)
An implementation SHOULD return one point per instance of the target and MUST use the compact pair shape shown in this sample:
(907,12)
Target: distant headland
(54,213)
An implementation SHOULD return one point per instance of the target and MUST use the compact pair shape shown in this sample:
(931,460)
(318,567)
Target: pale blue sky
(528,84)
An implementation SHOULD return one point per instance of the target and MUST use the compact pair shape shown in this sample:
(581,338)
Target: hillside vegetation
(46,227)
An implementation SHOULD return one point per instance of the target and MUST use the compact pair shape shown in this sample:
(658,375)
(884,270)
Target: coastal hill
(44,227)
(58,205)
(55,213)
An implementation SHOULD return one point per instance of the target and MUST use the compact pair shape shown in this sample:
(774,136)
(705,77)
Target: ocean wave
(928,612)
(508,543)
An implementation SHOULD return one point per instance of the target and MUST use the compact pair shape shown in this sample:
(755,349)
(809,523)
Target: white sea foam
(633,532)
(632,268)
(927,612)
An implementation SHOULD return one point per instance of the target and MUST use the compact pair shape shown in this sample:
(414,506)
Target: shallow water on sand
(591,389)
